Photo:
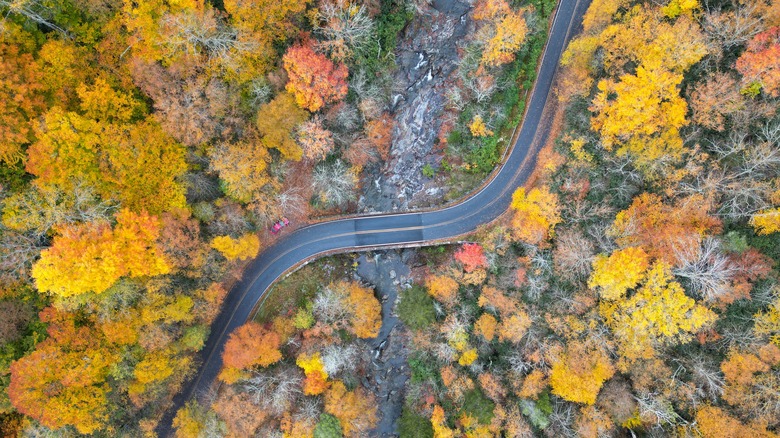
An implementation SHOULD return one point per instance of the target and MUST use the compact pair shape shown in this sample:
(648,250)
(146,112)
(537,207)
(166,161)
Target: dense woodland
(145,147)
(632,289)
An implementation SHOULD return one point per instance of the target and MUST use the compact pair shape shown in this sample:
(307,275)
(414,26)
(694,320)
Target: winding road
(391,230)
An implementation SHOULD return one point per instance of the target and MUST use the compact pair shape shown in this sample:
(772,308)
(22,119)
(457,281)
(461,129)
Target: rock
(427,56)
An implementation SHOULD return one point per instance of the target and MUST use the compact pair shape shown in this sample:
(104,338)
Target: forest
(147,146)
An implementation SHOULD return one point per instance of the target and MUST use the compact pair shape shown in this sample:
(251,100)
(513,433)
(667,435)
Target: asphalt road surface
(391,230)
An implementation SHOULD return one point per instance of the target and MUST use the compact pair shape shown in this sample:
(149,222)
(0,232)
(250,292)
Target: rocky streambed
(427,56)
(389,273)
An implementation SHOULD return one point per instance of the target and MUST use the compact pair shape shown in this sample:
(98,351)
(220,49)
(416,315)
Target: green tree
(328,427)
(416,308)
(413,425)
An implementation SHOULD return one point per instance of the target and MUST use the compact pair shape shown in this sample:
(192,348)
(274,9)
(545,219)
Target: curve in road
(402,229)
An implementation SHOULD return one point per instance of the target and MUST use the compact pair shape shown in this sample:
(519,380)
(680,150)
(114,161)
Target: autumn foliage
(276,122)
(243,248)
(471,256)
(136,163)
(760,64)
(767,221)
(91,258)
(536,214)
(715,422)
(631,288)
(354,409)
(661,228)
(316,378)
(63,382)
(659,313)
(21,99)
(442,288)
(365,310)
(579,373)
(248,346)
(314,79)
(622,270)
(316,141)
(503,33)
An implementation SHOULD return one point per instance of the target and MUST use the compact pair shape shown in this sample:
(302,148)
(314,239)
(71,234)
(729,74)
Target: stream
(426,56)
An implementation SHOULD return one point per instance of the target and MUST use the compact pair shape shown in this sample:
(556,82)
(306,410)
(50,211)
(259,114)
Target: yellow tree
(242,167)
(439,422)
(766,221)
(259,24)
(677,7)
(622,270)
(641,115)
(366,311)
(508,38)
(658,314)
(644,37)
(101,102)
(478,127)
(68,147)
(576,78)
(243,248)
(135,163)
(276,121)
(536,214)
(141,163)
(316,381)
(159,307)
(600,13)
(189,421)
(577,375)
(156,366)
(468,357)
(143,20)
(502,33)
(66,65)
(442,288)
(356,410)
(92,257)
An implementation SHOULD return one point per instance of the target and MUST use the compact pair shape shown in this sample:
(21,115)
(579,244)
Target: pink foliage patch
(471,256)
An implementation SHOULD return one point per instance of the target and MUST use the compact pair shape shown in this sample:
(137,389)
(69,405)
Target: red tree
(314,79)
(761,61)
(472,256)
